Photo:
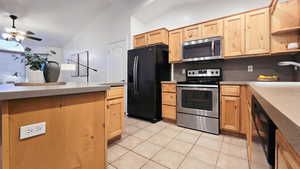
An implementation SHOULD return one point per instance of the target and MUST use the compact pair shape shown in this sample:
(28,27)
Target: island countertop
(11,92)
(281,101)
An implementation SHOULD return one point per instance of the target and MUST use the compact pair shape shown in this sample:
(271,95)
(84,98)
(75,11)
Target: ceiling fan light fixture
(19,38)
(6,36)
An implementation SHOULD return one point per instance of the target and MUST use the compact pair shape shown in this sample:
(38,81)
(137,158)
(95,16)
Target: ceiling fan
(14,34)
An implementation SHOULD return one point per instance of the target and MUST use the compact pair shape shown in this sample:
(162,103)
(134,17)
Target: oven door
(200,100)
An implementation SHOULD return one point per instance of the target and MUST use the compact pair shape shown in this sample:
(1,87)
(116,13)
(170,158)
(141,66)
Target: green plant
(33,60)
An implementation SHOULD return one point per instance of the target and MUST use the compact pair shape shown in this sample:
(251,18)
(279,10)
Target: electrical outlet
(250,68)
(32,130)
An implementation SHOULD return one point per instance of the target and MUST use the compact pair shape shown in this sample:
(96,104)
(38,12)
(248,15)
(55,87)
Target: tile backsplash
(237,69)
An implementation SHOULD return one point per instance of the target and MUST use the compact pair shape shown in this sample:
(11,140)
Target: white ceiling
(153,9)
(56,21)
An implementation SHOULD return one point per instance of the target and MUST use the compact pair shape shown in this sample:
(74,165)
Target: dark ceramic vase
(51,71)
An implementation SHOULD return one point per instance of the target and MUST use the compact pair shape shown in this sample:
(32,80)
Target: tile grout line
(145,140)
(170,126)
(186,155)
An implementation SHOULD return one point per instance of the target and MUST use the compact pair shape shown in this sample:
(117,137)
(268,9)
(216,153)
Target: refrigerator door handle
(134,75)
(137,74)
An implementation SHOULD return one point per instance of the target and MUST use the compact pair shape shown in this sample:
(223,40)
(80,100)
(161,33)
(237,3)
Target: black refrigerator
(147,67)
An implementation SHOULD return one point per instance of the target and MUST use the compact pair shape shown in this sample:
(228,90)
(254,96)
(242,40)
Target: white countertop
(10,91)
(281,101)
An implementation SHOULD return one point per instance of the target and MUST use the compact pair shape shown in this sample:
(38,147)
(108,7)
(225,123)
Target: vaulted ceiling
(56,21)
(153,9)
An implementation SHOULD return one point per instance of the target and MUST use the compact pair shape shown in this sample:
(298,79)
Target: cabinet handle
(107,106)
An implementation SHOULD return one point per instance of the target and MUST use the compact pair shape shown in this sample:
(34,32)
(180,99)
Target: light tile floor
(162,145)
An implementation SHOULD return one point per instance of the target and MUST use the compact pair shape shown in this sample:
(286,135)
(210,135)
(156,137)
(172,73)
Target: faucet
(289,63)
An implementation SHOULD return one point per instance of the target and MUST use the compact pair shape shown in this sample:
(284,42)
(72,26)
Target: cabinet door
(169,112)
(213,28)
(140,40)
(175,46)
(115,112)
(158,36)
(287,158)
(230,113)
(234,35)
(258,32)
(192,33)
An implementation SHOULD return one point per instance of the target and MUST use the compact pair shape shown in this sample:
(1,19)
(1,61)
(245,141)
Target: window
(11,46)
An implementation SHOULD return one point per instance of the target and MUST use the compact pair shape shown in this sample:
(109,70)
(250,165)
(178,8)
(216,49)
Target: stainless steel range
(198,100)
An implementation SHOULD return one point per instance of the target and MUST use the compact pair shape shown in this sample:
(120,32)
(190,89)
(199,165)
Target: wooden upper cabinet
(285,25)
(140,40)
(230,113)
(286,15)
(234,35)
(158,36)
(175,45)
(192,32)
(258,31)
(213,28)
(150,38)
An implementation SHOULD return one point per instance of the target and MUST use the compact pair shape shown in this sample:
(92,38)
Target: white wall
(111,25)
(188,13)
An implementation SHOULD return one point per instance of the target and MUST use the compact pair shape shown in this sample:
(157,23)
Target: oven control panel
(204,73)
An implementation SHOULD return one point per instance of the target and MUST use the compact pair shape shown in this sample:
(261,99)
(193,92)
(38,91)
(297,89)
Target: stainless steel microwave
(203,49)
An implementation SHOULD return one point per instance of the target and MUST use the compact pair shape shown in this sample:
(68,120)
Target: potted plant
(34,64)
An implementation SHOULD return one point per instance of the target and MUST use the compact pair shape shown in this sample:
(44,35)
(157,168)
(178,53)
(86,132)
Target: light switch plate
(32,130)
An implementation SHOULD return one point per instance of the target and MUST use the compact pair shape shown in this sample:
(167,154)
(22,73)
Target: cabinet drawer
(115,92)
(169,99)
(169,112)
(228,90)
(168,88)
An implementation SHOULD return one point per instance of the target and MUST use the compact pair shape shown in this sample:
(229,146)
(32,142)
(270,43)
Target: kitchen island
(280,101)
(53,127)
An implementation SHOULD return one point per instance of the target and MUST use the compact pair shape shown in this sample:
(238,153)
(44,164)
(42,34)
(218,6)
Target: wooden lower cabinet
(115,112)
(169,112)
(169,101)
(234,109)
(230,116)
(286,157)
(115,117)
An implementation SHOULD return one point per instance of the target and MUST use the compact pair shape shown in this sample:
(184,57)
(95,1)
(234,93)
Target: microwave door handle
(213,48)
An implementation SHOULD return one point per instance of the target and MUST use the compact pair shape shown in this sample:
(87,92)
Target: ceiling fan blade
(30,33)
(33,38)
